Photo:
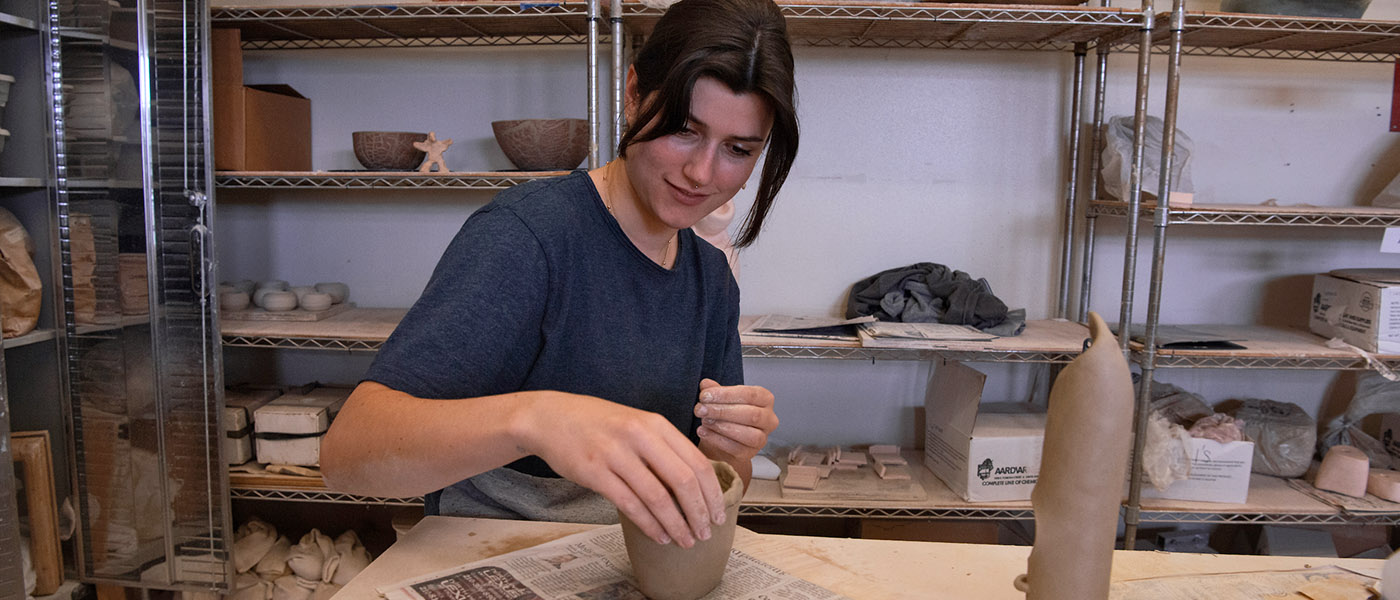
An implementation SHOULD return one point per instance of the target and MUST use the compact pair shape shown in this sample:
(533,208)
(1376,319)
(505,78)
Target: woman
(576,328)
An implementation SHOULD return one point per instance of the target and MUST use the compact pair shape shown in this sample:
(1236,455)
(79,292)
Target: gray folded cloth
(933,293)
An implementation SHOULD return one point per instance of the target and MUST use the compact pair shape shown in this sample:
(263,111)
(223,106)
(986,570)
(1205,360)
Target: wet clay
(1082,468)
(669,572)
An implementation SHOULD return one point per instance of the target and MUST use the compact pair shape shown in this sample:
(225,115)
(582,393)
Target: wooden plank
(355,324)
(1048,335)
(261,314)
(1263,341)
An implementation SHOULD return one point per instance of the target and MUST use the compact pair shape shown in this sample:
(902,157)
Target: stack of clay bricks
(807,467)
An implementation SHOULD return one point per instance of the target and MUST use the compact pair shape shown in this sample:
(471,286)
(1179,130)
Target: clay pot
(246,286)
(669,572)
(278,301)
(302,290)
(234,300)
(316,301)
(543,144)
(273,284)
(388,150)
(338,291)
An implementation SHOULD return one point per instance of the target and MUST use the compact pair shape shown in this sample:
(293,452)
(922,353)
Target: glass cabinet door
(143,357)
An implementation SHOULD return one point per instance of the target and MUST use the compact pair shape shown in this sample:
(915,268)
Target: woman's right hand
(634,458)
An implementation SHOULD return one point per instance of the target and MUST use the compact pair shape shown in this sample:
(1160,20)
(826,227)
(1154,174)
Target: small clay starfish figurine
(434,147)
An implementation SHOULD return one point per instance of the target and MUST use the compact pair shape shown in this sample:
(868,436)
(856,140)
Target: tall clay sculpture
(1082,469)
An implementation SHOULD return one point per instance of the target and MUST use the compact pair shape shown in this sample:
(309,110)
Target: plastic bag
(1283,433)
(1178,405)
(1166,454)
(1374,395)
(1118,158)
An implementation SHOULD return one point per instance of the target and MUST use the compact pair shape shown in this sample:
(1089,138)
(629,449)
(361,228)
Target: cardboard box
(1219,473)
(1360,306)
(289,429)
(981,456)
(256,127)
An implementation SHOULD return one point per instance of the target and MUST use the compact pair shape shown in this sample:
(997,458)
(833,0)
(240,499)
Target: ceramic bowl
(543,144)
(234,300)
(388,150)
(246,286)
(1346,9)
(337,290)
(278,301)
(316,301)
(274,284)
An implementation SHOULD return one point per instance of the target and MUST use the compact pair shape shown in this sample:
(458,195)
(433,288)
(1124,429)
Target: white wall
(954,157)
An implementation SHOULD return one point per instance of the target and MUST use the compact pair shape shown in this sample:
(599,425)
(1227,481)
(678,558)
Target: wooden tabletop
(862,569)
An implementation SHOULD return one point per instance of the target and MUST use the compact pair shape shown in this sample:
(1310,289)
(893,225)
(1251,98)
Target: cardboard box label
(1219,473)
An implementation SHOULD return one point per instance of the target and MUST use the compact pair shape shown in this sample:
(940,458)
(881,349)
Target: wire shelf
(375,180)
(880,25)
(1231,214)
(1274,36)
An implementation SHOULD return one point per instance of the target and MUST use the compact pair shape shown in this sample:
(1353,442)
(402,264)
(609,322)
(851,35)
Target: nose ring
(695,186)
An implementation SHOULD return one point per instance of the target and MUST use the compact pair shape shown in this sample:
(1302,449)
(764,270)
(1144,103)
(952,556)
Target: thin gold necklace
(665,252)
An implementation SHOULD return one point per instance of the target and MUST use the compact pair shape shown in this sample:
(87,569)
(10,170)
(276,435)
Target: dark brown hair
(741,43)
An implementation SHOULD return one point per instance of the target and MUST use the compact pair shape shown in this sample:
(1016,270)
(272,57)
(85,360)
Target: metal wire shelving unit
(1193,33)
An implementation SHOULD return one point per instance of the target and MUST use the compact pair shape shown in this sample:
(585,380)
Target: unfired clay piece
(891,471)
(338,291)
(1344,470)
(1385,484)
(302,290)
(888,459)
(276,301)
(276,284)
(316,301)
(884,449)
(234,300)
(434,147)
(800,481)
(669,572)
(1082,469)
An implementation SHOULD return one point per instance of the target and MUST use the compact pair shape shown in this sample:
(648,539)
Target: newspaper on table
(593,565)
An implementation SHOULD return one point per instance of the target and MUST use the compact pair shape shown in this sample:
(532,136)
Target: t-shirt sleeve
(476,330)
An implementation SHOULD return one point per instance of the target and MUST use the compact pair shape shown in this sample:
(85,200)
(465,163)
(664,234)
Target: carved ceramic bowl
(543,144)
(388,150)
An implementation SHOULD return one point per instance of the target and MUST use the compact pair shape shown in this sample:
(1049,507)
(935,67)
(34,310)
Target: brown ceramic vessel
(388,150)
(543,144)
(669,572)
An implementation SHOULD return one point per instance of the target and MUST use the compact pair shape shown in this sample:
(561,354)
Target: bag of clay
(1374,395)
(1118,158)
(21,291)
(1283,433)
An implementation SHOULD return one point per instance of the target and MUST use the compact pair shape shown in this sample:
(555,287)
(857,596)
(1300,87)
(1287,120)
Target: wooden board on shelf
(262,480)
(353,324)
(859,484)
(1267,495)
(261,314)
(1049,335)
(1262,341)
(1368,505)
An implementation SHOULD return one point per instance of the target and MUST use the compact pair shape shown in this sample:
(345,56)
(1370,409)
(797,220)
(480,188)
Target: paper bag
(83,249)
(21,292)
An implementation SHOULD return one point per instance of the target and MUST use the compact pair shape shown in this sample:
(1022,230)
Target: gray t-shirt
(542,290)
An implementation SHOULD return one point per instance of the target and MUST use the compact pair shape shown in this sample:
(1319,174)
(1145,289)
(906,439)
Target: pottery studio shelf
(1265,348)
(1274,36)
(292,488)
(1050,341)
(485,180)
(1256,214)
(367,328)
(1271,501)
(9,21)
(816,23)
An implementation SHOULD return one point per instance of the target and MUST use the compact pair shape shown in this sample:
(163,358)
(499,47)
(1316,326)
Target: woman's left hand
(735,419)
